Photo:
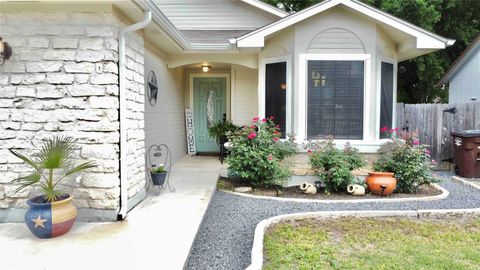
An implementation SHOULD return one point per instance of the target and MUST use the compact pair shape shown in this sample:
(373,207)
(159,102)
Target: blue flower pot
(158,179)
(50,219)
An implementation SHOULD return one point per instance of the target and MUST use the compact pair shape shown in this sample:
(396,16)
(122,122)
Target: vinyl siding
(165,122)
(334,39)
(214,14)
(244,94)
(465,85)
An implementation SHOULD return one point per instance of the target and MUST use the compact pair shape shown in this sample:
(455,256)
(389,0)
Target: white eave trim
(425,39)
(266,7)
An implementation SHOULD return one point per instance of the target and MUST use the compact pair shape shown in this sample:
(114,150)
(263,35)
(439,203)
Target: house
(119,75)
(462,77)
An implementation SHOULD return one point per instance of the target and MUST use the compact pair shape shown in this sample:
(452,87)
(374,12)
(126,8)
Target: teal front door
(209,106)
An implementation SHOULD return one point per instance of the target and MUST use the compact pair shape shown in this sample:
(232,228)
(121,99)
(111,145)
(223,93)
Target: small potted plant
(159,174)
(51,214)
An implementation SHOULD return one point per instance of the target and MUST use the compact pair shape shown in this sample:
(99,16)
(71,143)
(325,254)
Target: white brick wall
(135,114)
(63,79)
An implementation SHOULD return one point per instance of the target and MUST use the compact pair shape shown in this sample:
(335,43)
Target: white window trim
(211,75)
(302,102)
(378,89)
(261,88)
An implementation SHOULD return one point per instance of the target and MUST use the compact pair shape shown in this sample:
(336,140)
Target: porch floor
(157,234)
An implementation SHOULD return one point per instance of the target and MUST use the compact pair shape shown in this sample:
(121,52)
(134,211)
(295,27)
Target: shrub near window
(334,165)
(256,152)
(409,160)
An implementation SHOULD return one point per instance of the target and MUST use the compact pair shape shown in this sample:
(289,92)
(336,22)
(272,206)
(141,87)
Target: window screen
(276,93)
(386,105)
(335,99)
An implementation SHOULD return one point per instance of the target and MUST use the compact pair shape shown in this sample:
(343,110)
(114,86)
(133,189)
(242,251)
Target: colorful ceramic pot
(381,183)
(51,219)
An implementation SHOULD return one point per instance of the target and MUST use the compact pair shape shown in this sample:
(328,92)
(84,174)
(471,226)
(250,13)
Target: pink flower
(309,151)
(272,117)
(264,120)
(383,129)
(428,152)
(277,126)
(416,142)
(255,119)
(275,139)
(434,162)
(252,135)
(270,156)
(252,126)
(395,129)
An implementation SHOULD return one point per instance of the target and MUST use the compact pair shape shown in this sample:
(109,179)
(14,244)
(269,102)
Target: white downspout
(123,112)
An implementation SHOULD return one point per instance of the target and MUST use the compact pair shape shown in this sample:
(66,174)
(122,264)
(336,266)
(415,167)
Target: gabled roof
(206,39)
(468,53)
(424,38)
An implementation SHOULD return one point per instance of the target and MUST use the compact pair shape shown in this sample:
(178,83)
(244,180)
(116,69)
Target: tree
(456,19)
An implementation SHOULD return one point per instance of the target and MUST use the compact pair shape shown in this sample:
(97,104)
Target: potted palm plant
(159,175)
(51,214)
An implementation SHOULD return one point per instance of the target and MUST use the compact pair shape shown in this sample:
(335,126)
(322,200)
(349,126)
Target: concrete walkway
(157,234)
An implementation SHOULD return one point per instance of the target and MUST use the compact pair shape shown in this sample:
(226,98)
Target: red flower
(270,156)
(275,139)
(383,129)
(264,120)
(255,119)
(252,135)
(277,126)
(272,117)
(252,126)
(276,132)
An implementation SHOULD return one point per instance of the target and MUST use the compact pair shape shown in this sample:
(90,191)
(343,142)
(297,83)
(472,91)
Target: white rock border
(440,196)
(465,182)
(257,249)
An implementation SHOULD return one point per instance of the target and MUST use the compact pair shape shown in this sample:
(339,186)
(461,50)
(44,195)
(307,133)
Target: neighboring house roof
(468,53)
(424,38)
(209,25)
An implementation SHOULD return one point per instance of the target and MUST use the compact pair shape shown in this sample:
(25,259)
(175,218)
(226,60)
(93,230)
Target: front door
(209,106)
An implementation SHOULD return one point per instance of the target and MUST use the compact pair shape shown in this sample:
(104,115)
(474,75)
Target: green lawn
(362,243)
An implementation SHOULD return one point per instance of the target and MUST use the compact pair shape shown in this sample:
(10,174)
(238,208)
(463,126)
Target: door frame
(210,75)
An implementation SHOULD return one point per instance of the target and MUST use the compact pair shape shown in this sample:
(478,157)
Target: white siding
(244,94)
(214,14)
(465,85)
(165,122)
(335,39)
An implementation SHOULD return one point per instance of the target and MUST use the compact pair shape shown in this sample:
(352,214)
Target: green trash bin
(466,153)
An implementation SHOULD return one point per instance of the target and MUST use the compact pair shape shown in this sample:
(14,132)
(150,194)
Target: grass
(350,243)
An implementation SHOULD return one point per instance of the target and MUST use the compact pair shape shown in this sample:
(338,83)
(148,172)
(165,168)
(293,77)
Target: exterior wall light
(206,68)
(5,51)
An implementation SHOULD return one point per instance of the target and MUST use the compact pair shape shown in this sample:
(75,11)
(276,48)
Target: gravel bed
(225,238)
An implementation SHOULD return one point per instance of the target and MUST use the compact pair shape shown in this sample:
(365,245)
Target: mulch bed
(295,192)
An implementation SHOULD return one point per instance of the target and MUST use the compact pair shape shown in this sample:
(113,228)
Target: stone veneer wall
(63,80)
(135,87)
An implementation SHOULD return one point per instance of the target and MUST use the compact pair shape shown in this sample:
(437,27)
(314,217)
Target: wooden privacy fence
(435,122)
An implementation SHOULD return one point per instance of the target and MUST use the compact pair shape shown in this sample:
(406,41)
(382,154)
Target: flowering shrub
(256,153)
(409,160)
(334,165)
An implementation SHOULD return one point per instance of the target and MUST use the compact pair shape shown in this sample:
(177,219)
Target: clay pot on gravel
(381,183)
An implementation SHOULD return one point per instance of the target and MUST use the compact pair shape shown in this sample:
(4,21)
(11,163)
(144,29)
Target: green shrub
(334,165)
(256,152)
(409,160)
